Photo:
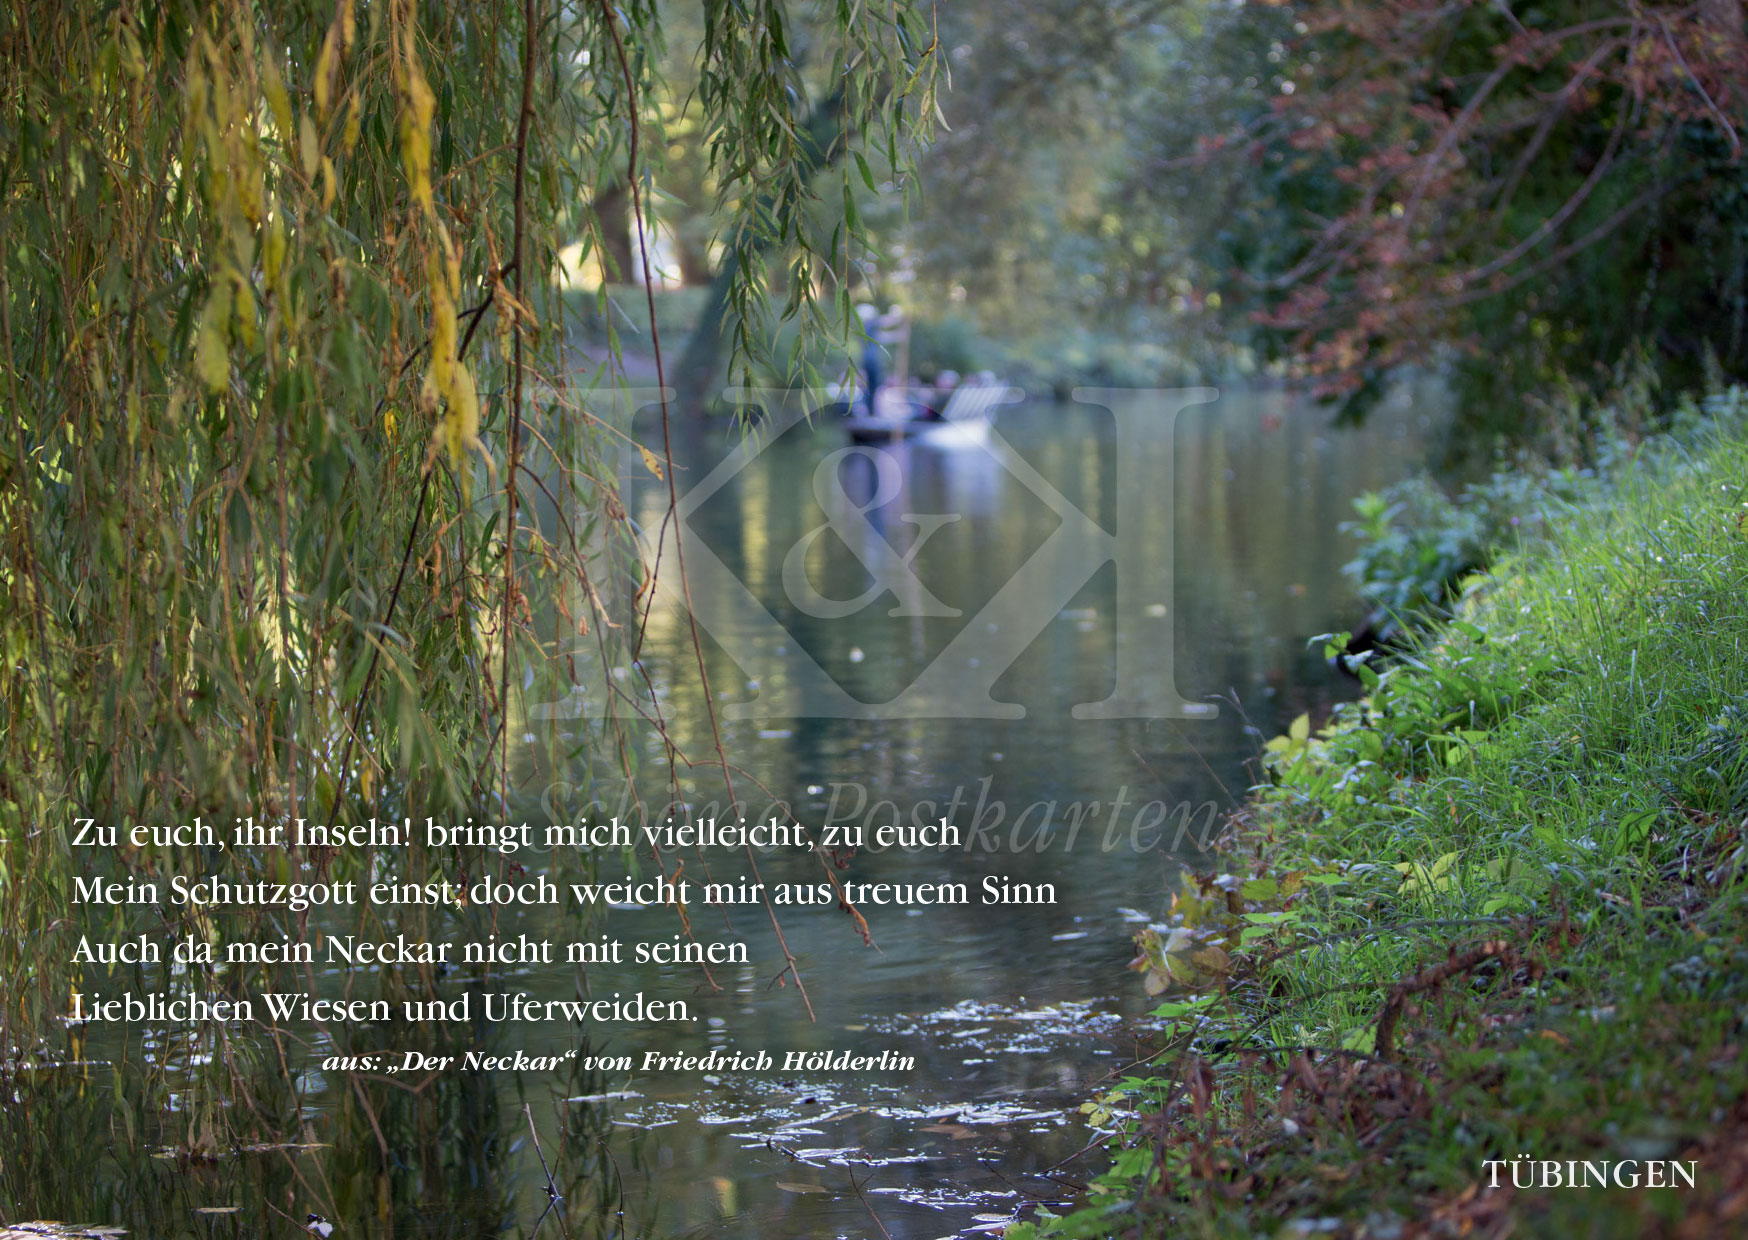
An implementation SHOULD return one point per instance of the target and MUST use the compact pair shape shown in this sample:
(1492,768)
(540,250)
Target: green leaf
(1364,1039)
(1635,828)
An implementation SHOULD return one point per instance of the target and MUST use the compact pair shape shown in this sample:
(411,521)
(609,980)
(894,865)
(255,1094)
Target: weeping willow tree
(283,380)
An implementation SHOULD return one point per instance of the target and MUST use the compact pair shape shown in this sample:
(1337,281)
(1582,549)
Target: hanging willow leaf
(278,99)
(309,146)
(212,360)
(277,360)
(327,71)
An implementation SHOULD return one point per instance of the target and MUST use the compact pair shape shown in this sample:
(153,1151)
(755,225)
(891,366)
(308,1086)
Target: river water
(1068,638)
(1011,1012)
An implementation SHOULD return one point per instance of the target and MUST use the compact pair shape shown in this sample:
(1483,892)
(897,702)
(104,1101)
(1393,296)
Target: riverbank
(1488,924)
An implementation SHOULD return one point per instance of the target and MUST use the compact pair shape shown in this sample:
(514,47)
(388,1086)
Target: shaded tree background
(1538,198)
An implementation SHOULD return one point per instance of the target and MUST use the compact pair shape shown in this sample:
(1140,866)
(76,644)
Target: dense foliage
(1542,189)
(1494,909)
(1333,191)
(300,501)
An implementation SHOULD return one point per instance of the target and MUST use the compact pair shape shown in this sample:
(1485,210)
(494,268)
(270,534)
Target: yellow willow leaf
(309,146)
(212,359)
(327,70)
(243,313)
(252,190)
(451,268)
(417,110)
(278,99)
(511,312)
(505,318)
(354,122)
(434,271)
(221,82)
(246,38)
(461,422)
(650,462)
(424,103)
(330,183)
(273,247)
(194,94)
(218,177)
(348,24)
(416,160)
(132,59)
(443,335)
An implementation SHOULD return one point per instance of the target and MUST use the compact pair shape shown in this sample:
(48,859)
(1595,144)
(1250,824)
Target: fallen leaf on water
(802,1188)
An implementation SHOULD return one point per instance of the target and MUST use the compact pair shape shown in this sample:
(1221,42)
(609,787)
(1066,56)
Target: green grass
(1546,800)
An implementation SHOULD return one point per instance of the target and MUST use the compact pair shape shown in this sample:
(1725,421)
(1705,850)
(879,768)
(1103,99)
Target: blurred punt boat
(964,420)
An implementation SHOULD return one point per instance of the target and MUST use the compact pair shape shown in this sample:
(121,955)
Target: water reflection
(1257,485)
(1000,1017)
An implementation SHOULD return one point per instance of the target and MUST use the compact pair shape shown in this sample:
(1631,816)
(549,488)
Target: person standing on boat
(870,356)
(894,336)
(879,331)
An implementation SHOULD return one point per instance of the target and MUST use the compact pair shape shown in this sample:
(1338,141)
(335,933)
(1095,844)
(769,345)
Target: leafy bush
(1493,908)
(950,342)
(1417,544)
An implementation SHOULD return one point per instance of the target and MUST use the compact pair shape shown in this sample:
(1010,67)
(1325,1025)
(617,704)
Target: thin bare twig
(518,246)
(393,598)
(553,1196)
(857,1189)
(673,491)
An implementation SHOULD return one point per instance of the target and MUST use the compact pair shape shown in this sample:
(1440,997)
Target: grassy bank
(1494,909)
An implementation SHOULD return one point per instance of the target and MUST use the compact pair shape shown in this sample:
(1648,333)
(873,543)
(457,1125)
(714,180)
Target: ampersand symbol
(890,570)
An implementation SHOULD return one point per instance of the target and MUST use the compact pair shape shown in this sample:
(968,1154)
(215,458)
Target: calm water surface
(1010,1013)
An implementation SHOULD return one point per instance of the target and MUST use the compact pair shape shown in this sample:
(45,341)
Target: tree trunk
(702,360)
(612,208)
(694,261)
